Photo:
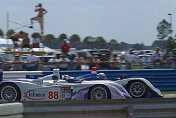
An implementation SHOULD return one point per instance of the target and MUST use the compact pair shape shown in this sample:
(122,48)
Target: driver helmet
(65,77)
(102,75)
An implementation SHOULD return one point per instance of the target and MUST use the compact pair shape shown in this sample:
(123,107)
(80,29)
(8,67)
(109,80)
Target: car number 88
(53,95)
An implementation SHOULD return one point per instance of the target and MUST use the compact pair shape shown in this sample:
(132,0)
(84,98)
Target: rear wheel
(99,92)
(10,92)
(137,89)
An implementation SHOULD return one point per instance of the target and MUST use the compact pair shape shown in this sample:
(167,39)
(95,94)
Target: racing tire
(10,92)
(98,92)
(137,89)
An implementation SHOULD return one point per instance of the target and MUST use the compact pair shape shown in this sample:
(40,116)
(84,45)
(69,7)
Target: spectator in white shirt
(157,57)
(64,62)
(53,63)
(130,59)
(35,42)
(32,62)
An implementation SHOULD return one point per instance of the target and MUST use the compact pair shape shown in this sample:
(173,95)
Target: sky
(130,21)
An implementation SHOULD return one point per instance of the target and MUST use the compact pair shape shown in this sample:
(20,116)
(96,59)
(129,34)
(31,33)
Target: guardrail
(121,108)
(129,108)
(11,110)
(164,79)
(75,109)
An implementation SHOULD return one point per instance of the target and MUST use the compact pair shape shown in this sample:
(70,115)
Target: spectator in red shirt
(65,48)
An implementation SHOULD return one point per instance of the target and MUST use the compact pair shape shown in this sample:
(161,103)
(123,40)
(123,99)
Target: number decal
(56,95)
(50,95)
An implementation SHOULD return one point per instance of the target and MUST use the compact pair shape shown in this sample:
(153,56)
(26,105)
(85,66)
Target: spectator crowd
(159,60)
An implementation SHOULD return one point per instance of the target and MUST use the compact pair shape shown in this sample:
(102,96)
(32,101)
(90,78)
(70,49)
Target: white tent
(6,43)
(45,49)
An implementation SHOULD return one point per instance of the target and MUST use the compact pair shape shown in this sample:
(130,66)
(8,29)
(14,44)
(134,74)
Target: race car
(136,87)
(54,88)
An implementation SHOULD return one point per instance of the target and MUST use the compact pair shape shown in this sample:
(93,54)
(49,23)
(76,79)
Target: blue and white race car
(55,88)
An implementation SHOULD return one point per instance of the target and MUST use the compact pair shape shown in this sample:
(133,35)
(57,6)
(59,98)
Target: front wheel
(137,89)
(10,92)
(98,92)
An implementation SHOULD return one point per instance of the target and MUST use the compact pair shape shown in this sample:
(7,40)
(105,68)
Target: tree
(163,28)
(170,43)
(37,35)
(75,38)
(10,32)
(86,39)
(138,46)
(49,38)
(159,43)
(100,41)
(1,33)
(62,37)
(89,39)
(124,46)
(113,42)
(87,43)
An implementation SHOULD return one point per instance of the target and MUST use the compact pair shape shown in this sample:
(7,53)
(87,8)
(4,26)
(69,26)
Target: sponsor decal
(34,95)
(64,93)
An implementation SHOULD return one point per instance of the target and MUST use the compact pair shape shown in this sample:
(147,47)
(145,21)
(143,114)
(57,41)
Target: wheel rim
(98,93)
(137,89)
(8,93)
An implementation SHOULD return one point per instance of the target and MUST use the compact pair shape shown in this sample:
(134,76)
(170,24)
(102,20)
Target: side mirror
(54,77)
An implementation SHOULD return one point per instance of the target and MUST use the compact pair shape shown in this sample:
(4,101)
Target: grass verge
(168,92)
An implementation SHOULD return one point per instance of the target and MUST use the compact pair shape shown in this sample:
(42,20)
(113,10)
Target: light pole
(170,24)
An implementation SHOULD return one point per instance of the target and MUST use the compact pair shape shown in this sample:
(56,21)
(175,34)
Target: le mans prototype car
(54,88)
